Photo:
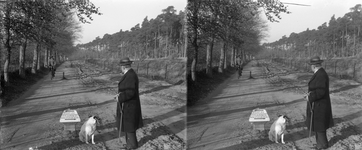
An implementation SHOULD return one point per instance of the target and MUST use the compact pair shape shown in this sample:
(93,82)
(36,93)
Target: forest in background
(31,31)
(338,43)
(222,33)
(340,37)
(160,37)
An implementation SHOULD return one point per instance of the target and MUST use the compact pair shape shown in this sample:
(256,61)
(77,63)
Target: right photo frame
(271,74)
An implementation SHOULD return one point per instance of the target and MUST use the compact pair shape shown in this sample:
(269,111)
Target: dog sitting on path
(88,129)
(278,129)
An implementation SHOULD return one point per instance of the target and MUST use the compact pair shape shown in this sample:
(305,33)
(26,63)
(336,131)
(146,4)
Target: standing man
(318,98)
(129,116)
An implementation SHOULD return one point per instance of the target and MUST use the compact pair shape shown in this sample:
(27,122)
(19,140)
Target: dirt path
(220,121)
(33,119)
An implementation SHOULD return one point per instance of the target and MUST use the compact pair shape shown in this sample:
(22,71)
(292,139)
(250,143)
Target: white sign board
(69,116)
(259,115)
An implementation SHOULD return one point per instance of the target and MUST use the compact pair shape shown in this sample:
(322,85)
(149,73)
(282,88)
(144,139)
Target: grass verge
(205,84)
(18,85)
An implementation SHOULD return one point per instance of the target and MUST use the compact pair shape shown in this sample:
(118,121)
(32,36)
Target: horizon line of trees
(225,32)
(161,37)
(341,37)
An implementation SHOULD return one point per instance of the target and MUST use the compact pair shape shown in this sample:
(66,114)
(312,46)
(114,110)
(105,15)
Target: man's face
(122,69)
(312,67)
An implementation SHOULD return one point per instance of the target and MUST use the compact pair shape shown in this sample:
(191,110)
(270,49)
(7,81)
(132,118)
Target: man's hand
(116,96)
(306,96)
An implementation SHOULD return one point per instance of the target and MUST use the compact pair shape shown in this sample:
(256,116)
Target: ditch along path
(221,121)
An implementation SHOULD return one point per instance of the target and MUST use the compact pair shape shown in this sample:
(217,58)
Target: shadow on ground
(6,120)
(345,88)
(344,131)
(191,119)
(71,140)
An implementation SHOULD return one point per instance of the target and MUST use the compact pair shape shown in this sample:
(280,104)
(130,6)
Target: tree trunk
(146,45)
(22,49)
(135,55)
(39,57)
(236,53)
(121,51)
(178,45)
(334,50)
(167,51)
(35,59)
(155,50)
(222,58)
(56,57)
(167,43)
(354,45)
(341,54)
(7,55)
(159,52)
(232,60)
(323,50)
(1,81)
(195,20)
(46,55)
(225,58)
(193,68)
(346,50)
(6,65)
(243,54)
(194,61)
(209,49)
(185,43)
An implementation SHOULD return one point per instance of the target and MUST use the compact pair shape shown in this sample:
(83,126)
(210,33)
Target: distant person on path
(129,116)
(240,70)
(51,63)
(319,102)
(239,65)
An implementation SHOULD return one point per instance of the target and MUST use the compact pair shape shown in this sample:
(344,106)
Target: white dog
(88,129)
(278,129)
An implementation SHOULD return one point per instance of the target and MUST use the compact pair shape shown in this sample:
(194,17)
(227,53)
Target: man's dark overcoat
(129,96)
(318,87)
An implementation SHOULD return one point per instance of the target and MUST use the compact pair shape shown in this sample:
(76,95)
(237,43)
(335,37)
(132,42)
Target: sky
(123,14)
(303,17)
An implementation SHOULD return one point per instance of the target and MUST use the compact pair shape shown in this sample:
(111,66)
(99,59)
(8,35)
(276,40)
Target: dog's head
(283,118)
(94,119)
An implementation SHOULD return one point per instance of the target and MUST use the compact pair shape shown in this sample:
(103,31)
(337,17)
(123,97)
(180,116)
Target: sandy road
(220,121)
(33,119)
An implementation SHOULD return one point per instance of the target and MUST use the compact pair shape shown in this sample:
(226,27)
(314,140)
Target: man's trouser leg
(131,140)
(321,139)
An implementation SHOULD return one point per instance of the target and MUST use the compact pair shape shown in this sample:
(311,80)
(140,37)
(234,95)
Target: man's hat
(125,61)
(315,60)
